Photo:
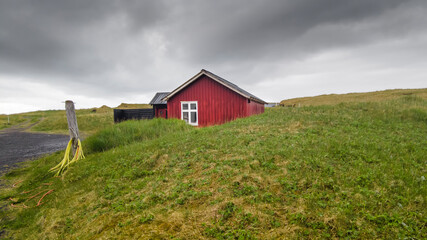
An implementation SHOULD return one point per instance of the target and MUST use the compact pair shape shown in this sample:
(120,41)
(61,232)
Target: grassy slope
(344,171)
(89,121)
(55,121)
(333,99)
(21,120)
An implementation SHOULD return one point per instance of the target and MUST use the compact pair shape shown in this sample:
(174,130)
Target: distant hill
(332,99)
(102,109)
(133,106)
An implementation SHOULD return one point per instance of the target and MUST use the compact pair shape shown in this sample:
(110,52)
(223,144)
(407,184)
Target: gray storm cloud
(110,49)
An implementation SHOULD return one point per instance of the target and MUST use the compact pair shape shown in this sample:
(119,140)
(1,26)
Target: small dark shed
(136,114)
(207,99)
(160,106)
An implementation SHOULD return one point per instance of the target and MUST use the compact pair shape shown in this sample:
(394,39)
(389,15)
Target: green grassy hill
(333,99)
(352,170)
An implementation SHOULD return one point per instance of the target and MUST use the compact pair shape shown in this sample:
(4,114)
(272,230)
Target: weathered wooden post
(74,142)
(72,124)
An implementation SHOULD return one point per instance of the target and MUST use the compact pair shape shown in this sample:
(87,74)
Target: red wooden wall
(160,111)
(254,108)
(216,103)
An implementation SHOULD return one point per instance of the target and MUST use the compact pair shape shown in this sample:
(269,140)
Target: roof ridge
(220,80)
(237,88)
(158,98)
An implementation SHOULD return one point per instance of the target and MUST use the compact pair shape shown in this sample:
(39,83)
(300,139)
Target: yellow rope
(60,168)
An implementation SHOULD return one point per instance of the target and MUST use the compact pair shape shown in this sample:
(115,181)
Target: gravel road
(17,146)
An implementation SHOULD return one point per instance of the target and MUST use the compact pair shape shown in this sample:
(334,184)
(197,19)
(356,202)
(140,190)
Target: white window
(189,113)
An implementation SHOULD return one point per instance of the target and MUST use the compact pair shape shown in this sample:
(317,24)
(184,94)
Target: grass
(333,99)
(133,106)
(351,170)
(132,131)
(90,120)
(55,121)
(21,120)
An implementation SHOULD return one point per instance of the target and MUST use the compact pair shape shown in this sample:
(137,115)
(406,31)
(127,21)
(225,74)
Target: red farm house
(207,99)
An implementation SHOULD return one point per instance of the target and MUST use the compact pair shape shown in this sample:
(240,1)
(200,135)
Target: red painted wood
(255,108)
(160,111)
(216,103)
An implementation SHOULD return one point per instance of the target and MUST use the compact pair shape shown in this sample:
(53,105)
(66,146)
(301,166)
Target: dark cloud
(49,37)
(272,29)
(112,47)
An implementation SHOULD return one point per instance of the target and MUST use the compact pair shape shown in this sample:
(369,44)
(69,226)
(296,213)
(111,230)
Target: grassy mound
(133,106)
(133,131)
(333,99)
(344,171)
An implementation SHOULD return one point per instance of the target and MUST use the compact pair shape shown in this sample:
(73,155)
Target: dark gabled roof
(158,98)
(234,86)
(220,80)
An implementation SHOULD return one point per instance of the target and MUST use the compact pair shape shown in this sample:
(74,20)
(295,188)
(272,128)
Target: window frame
(189,111)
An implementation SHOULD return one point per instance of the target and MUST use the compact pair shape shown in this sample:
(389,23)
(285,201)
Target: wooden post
(72,123)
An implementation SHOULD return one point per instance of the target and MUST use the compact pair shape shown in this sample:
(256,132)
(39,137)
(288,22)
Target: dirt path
(17,146)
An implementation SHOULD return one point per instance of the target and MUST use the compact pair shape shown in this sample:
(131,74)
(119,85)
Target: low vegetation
(133,106)
(55,121)
(333,99)
(133,131)
(19,120)
(352,170)
(89,121)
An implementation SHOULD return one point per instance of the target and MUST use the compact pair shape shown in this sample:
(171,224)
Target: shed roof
(221,81)
(158,98)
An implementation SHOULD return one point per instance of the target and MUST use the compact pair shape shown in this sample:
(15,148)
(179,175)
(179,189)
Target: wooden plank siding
(254,108)
(157,109)
(127,114)
(216,104)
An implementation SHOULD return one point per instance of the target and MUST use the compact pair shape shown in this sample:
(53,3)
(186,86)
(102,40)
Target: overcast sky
(110,51)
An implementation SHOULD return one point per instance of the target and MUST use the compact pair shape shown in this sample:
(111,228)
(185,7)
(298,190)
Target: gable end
(219,80)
